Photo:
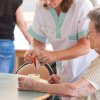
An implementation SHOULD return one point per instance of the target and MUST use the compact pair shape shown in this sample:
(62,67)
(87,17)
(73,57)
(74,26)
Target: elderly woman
(88,86)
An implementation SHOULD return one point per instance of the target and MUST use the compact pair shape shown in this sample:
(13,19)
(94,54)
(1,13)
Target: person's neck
(58,10)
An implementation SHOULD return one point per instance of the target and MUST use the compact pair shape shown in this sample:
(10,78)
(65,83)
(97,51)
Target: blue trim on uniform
(59,24)
(73,37)
(82,34)
(58,21)
(78,35)
(36,36)
(55,16)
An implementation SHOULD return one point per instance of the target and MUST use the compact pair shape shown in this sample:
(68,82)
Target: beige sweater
(93,74)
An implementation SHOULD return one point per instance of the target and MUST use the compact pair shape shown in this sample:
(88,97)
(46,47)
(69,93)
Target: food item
(36,77)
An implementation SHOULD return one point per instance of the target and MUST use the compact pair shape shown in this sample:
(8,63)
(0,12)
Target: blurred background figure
(10,15)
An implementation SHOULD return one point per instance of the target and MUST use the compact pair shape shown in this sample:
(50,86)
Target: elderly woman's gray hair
(94,15)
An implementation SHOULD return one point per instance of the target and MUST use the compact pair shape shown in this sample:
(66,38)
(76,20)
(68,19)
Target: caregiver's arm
(81,48)
(36,48)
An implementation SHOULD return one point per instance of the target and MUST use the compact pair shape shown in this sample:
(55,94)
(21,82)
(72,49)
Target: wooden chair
(44,71)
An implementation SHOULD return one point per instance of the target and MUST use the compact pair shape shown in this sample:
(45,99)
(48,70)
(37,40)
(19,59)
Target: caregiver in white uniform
(64,23)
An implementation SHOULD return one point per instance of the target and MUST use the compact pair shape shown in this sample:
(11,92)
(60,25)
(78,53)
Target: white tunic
(63,32)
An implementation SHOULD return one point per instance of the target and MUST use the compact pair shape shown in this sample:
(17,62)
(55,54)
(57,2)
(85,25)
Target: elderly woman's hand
(54,79)
(26,83)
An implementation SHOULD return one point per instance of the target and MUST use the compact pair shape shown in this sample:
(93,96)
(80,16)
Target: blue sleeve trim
(36,36)
(82,34)
(78,35)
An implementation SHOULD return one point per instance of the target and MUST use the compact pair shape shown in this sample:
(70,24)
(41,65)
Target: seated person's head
(94,29)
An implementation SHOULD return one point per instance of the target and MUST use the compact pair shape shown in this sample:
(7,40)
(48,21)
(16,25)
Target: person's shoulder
(19,1)
(40,7)
(39,4)
(15,2)
(82,3)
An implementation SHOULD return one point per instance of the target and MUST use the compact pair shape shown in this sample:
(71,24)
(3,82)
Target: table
(8,89)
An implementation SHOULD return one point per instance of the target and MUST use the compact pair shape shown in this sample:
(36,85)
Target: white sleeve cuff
(96,85)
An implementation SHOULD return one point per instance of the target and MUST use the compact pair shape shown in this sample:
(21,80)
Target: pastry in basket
(36,77)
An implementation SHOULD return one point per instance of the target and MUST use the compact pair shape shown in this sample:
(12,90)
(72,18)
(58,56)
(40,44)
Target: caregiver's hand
(29,56)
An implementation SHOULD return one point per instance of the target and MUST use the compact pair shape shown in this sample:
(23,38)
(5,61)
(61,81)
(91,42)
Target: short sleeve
(18,3)
(15,4)
(83,22)
(35,29)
